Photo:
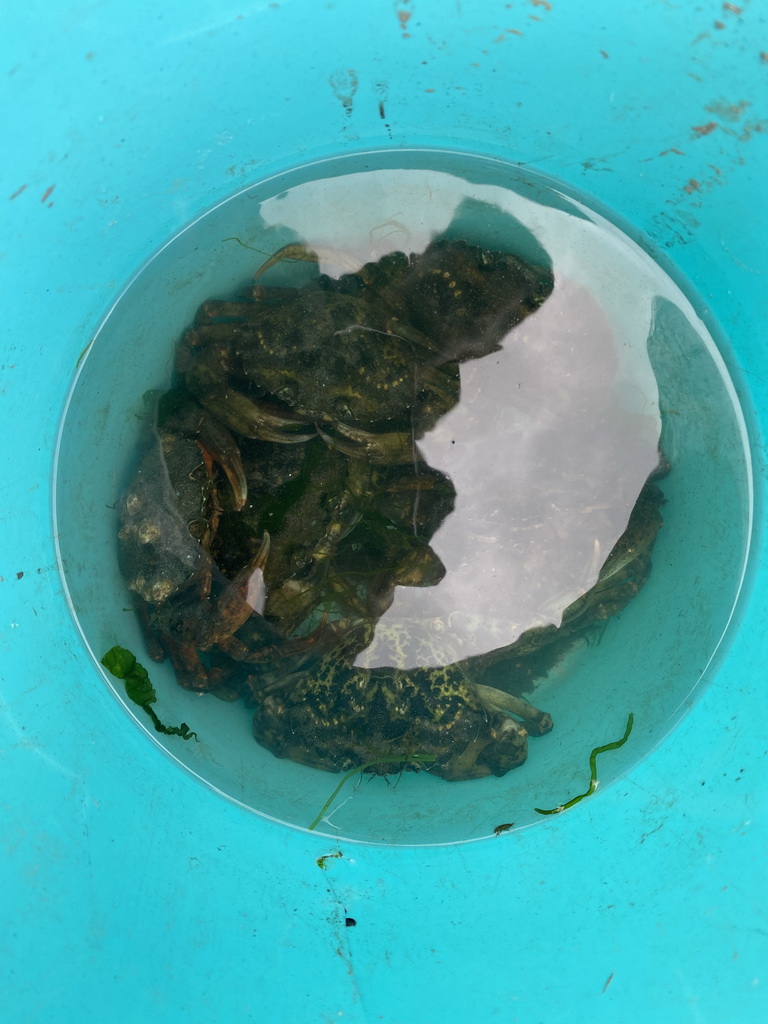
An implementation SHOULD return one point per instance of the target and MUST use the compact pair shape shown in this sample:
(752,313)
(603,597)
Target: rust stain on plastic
(507,32)
(403,17)
(727,111)
(665,152)
(704,129)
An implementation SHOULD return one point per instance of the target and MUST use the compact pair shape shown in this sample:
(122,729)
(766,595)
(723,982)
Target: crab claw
(244,416)
(179,412)
(241,597)
(218,443)
(393,449)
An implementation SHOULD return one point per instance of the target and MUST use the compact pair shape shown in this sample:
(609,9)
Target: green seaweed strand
(425,758)
(593,769)
(122,664)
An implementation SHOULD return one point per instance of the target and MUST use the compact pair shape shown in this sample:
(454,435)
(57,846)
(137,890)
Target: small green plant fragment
(328,856)
(122,664)
(423,758)
(593,769)
(82,355)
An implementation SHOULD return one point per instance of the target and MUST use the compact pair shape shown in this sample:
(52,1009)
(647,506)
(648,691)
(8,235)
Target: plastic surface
(146,896)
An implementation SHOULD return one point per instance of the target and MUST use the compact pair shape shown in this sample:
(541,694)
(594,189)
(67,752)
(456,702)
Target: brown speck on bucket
(404,16)
(704,129)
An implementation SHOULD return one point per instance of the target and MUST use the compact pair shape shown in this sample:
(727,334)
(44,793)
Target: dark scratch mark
(17,192)
(645,835)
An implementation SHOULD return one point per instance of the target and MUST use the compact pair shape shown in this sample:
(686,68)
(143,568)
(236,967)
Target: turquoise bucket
(149,896)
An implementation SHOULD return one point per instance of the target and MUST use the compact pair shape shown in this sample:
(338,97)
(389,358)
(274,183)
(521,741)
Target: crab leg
(179,413)
(536,722)
(297,251)
(239,651)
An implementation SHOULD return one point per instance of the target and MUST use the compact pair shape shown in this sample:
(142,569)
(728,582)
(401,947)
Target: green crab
(339,715)
(169,519)
(358,701)
(369,360)
(284,497)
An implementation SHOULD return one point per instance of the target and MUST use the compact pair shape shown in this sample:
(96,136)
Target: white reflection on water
(548,450)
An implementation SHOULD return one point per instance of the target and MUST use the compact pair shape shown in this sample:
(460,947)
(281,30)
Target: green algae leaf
(138,686)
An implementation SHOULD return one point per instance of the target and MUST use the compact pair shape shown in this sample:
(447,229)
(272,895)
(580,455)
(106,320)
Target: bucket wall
(132,892)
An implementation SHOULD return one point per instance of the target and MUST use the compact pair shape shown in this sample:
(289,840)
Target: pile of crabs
(283,497)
